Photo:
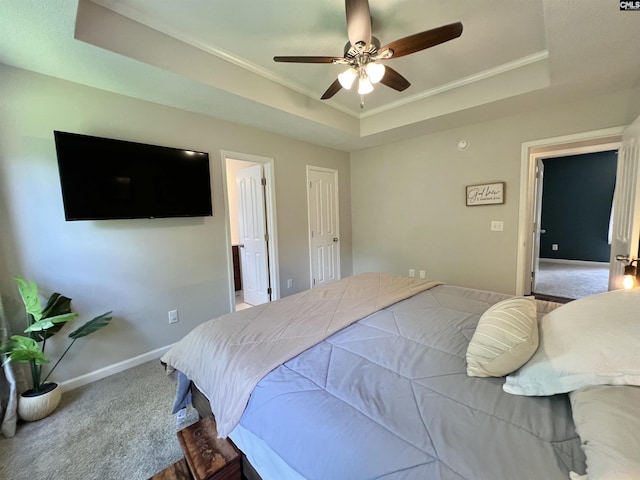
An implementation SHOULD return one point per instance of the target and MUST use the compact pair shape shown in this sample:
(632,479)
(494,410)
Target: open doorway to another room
(625,230)
(251,219)
(575,215)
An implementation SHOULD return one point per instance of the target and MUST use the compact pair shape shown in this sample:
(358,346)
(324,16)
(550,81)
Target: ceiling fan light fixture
(347,78)
(364,85)
(375,71)
(363,51)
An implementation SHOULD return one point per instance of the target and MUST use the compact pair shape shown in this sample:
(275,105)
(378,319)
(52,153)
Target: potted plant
(42,323)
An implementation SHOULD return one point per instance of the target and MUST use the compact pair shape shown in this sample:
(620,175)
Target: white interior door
(626,204)
(254,260)
(324,235)
(537,228)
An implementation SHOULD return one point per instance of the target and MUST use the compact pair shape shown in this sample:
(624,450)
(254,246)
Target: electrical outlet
(554,247)
(173,316)
(290,283)
(423,274)
(412,272)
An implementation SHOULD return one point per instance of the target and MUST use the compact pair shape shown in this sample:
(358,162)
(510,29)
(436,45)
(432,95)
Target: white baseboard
(583,263)
(113,369)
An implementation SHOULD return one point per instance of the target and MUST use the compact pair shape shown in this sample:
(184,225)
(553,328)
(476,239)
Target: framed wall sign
(485,194)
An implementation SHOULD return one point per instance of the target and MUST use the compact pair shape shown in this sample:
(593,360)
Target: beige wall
(408,202)
(404,202)
(138,268)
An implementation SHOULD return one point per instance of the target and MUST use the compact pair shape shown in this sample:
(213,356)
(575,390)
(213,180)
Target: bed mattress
(388,397)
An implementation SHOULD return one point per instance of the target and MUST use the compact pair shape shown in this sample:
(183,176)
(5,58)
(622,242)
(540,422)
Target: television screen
(102,179)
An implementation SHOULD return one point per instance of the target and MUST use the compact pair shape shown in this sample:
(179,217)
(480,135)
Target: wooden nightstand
(209,457)
(206,457)
(177,471)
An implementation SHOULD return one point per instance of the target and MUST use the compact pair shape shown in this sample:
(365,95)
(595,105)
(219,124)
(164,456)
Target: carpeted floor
(572,281)
(116,428)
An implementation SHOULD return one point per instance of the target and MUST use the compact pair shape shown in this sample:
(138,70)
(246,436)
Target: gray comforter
(388,397)
(227,356)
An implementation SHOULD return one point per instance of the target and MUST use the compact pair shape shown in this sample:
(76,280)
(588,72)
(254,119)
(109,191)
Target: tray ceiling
(216,58)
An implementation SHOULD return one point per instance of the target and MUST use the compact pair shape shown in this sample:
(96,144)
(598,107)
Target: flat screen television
(103,178)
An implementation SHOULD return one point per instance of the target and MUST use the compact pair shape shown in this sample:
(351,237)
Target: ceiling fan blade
(334,88)
(394,80)
(420,41)
(306,59)
(358,21)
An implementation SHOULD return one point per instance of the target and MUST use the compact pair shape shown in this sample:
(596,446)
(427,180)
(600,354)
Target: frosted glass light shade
(347,78)
(364,85)
(628,282)
(375,71)
(629,279)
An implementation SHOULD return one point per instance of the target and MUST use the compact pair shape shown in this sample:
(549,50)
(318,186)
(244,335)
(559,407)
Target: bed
(393,389)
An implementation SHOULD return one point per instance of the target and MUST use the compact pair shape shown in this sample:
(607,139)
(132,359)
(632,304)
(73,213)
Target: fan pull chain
(361,101)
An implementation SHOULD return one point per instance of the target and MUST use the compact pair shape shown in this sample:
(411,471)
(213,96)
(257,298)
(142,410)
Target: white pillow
(607,418)
(591,341)
(505,338)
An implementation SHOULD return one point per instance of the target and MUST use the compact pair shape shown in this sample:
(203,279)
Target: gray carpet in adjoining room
(572,281)
(117,428)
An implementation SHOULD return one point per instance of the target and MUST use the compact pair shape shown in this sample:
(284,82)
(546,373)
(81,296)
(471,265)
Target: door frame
(270,215)
(585,142)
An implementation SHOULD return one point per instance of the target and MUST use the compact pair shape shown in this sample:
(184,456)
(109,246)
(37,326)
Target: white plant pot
(32,408)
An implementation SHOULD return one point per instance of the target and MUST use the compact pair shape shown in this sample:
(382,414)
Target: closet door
(324,235)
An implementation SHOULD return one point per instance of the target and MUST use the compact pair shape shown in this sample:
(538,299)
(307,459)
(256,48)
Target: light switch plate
(497,225)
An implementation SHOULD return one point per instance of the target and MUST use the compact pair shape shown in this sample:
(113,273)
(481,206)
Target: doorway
(251,233)
(574,213)
(529,229)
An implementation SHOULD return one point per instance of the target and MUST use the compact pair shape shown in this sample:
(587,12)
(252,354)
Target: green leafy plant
(42,323)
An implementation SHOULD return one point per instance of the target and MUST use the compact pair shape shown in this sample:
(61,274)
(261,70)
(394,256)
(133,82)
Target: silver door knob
(335,239)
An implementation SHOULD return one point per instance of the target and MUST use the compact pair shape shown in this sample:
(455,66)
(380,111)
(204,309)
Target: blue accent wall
(576,206)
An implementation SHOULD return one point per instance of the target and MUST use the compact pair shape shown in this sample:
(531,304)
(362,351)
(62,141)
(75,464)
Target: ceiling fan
(363,53)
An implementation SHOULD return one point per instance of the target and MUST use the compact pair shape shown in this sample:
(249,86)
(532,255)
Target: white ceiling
(215,58)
